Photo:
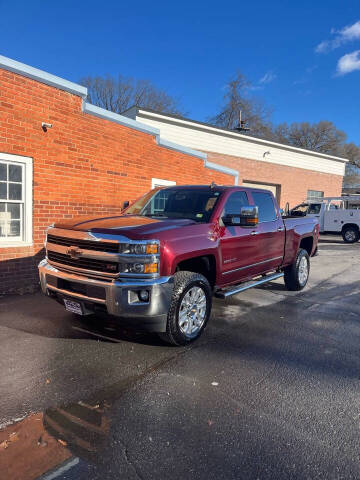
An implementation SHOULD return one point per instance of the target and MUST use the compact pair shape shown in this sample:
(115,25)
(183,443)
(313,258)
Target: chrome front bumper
(115,297)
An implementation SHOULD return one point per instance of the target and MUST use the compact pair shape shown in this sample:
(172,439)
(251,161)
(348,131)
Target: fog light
(144,295)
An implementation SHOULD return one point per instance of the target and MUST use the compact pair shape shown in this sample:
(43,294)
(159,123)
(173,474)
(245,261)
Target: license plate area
(73,306)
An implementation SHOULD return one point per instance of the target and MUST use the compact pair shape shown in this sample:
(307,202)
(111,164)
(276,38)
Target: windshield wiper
(155,215)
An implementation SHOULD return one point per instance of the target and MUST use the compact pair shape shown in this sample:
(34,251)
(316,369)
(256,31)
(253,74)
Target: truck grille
(83,263)
(84,244)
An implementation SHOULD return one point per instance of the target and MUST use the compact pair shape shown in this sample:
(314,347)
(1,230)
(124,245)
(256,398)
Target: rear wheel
(350,234)
(297,274)
(189,310)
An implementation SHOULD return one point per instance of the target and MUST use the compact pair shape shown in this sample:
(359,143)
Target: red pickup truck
(157,265)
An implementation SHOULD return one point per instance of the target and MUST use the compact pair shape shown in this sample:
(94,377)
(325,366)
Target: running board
(245,286)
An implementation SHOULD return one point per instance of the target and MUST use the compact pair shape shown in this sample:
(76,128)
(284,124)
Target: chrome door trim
(252,265)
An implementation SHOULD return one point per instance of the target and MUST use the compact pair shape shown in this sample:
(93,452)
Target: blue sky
(289,50)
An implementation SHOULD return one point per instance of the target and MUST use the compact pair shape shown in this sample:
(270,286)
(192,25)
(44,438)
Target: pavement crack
(267,375)
(129,462)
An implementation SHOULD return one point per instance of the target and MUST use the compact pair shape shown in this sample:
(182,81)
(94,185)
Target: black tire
(293,277)
(184,282)
(350,234)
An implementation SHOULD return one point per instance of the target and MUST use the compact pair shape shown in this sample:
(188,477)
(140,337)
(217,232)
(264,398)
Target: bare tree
(352,170)
(120,93)
(320,137)
(352,153)
(237,98)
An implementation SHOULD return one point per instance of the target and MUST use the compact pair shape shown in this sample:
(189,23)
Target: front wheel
(190,308)
(350,234)
(297,274)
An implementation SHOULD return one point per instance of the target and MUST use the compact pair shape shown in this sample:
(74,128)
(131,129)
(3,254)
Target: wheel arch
(307,244)
(353,225)
(203,264)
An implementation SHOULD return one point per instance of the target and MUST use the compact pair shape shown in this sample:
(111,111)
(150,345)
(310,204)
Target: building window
(15,200)
(159,200)
(314,194)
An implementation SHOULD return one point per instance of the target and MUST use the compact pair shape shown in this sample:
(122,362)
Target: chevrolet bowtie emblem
(73,252)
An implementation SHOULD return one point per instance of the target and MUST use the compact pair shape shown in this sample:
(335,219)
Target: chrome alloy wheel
(350,235)
(303,271)
(192,311)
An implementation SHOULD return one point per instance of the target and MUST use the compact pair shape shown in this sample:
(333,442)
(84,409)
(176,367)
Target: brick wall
(82,165)
(295,182)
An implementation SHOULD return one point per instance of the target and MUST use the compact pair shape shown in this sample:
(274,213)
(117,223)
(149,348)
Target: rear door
(269,233)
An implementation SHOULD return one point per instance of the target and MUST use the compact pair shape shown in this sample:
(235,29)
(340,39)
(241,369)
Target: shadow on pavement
(38,315)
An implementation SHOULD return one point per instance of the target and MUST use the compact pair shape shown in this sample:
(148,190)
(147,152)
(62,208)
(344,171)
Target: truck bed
(295,228)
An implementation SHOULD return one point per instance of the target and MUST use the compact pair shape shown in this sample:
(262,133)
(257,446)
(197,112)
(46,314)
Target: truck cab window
(303,208)
(234,203)
(266,206)
(314,208)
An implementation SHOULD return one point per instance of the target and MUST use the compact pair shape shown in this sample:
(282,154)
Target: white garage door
(273,188)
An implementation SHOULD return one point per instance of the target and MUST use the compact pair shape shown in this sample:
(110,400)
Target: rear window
(266,206)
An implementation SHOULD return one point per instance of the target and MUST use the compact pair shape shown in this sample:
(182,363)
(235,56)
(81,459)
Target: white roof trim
(120,119)
(41,76)
(221,168)
(225,133)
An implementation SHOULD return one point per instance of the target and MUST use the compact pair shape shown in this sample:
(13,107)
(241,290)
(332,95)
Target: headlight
(139,248)
(141,268)
(136,267)
(148,250)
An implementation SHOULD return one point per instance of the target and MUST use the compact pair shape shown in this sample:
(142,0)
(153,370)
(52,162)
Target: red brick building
(86,161)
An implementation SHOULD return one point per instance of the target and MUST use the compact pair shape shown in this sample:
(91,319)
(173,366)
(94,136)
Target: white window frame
(27,165)
(314,197)
(158,182)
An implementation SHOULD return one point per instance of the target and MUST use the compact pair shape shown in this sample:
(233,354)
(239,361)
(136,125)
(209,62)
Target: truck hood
(133,226)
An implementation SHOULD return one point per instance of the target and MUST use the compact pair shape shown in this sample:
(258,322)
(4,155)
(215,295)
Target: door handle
(254,233)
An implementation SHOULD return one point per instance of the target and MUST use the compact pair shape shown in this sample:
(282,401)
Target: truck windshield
(194,203)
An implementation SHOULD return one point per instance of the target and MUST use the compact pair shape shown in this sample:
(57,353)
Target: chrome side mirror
(247,217)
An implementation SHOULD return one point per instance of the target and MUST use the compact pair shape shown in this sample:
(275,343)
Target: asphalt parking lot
(271,390)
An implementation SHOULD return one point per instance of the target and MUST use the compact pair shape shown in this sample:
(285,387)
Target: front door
(238,245)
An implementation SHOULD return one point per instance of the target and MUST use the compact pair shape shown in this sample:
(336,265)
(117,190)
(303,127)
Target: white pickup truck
(336,215)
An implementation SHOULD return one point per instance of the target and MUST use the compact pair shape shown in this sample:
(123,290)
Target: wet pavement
(271,390)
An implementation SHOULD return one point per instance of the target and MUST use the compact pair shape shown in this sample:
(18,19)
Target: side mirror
(287,209)
(248,217)
(125,204)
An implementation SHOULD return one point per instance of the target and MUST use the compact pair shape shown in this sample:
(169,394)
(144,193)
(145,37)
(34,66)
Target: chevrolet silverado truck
(157,265)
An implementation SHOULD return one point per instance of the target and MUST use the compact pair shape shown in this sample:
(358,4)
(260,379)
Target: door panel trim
(252,265)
